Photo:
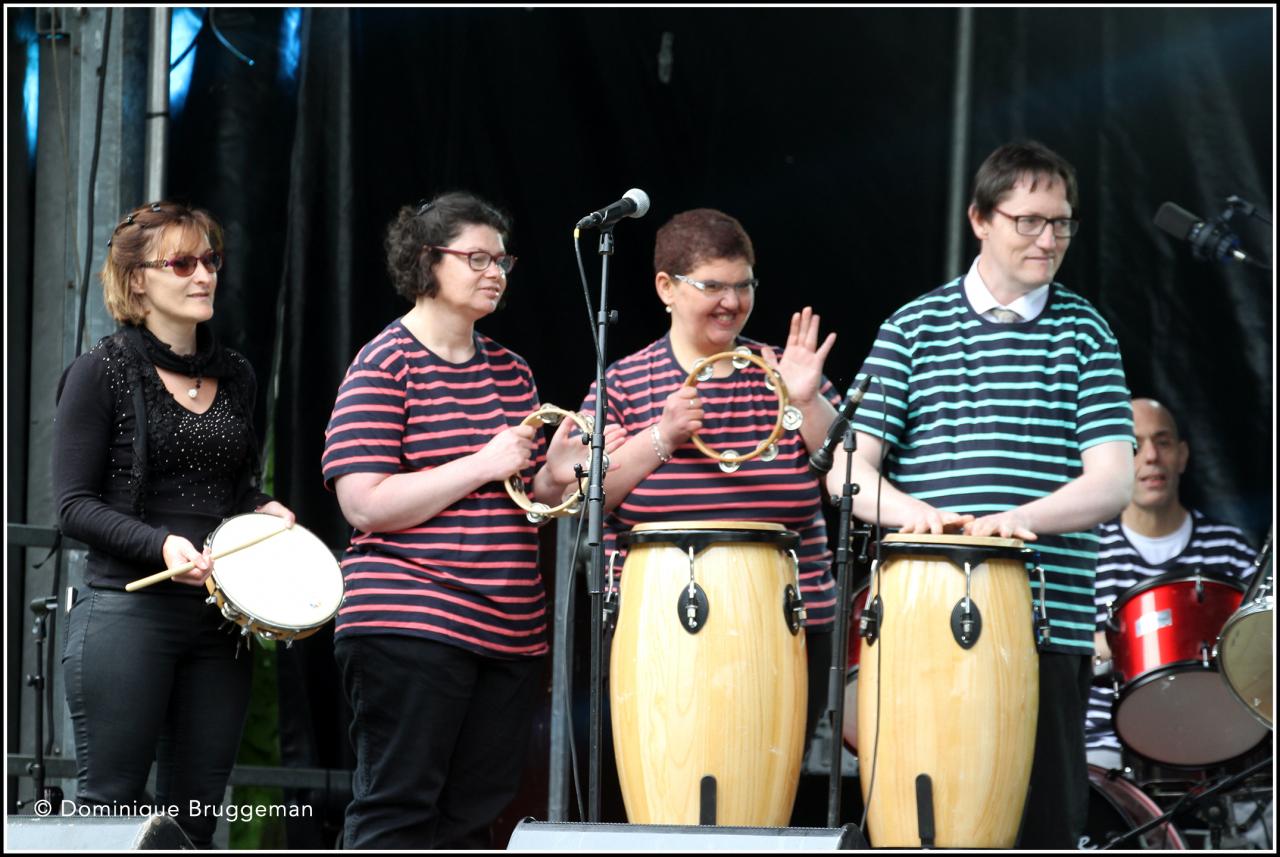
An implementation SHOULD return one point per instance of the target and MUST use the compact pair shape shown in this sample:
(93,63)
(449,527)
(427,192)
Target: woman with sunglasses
(153,447)
(703,263)
(441,636)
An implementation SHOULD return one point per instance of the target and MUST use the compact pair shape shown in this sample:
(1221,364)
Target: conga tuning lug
(869,624)
(966,623)
(793,609)
(693,608)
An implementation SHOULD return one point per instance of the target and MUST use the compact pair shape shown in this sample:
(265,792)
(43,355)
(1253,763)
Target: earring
(668,309)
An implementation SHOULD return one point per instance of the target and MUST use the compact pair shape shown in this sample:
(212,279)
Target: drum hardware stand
(595,532)
(840,633)
(41,607)
(1190,800)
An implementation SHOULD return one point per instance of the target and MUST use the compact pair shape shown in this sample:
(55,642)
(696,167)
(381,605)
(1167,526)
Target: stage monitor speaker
(76,833)
(531,835)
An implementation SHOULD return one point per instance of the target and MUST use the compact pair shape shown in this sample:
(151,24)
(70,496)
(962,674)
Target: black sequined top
(200,468)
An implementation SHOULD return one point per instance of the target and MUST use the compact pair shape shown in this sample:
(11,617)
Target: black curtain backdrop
(827,132)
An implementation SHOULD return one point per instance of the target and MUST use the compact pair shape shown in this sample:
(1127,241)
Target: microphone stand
(840,634)
(595,535)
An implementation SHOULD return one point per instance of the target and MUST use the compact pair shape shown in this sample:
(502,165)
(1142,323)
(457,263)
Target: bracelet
(658,447)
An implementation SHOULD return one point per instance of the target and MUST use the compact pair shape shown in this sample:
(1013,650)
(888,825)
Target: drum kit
(1193,660)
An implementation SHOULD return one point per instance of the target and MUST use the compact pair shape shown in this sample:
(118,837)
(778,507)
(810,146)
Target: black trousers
(155,677)
(1057,809)
(441,736)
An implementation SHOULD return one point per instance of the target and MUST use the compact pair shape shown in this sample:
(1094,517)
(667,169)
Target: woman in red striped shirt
(441,634)
(704,275)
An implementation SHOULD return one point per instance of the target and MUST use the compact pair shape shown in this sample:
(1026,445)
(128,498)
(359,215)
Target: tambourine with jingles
(550,415)
(789,416)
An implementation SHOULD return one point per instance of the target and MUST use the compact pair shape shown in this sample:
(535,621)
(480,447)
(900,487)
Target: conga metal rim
(1169,578)
(701,536)
(974,550)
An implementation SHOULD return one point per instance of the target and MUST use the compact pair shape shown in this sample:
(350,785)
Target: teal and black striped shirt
(983,417)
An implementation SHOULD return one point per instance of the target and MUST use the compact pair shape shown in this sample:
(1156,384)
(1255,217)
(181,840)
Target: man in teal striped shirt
(1002,410)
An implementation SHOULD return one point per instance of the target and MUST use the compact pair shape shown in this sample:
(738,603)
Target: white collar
(1028,306)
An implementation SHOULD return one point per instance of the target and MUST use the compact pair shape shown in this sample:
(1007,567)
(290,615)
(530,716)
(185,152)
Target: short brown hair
(700,235)
(1012,161)
(132,243)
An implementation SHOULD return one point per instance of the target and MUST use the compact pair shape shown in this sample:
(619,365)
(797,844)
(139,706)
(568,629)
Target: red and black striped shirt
(468,576)
(740,411)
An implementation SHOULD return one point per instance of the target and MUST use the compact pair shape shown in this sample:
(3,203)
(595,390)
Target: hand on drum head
(1007,525)
(178,551)
(506,454)
(681,417)
(280,510)
(923,518)
(802,359)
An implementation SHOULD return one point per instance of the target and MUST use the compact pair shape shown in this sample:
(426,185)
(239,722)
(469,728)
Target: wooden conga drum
(708,673)
(958,704)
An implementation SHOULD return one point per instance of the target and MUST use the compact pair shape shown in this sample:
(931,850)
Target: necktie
(1005,316)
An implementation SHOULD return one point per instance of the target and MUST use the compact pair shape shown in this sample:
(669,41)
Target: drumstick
(187,566)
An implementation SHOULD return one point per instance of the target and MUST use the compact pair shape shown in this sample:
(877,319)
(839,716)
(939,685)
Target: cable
(191,46)
(213,25)
(877,535)
(93,181)
(591,311)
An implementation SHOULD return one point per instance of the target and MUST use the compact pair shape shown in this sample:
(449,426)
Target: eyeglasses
(715,288)
(1033,224)
(480,260)
(185,266)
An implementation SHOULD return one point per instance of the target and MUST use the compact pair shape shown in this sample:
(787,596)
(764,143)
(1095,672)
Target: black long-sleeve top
(200,468)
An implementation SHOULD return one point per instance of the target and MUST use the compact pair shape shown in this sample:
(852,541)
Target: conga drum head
(288,582)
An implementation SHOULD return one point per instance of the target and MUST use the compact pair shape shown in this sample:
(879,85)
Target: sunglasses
(185,266)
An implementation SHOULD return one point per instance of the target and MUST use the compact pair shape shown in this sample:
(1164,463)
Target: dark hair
(433,223)
(1006,165)
(133,241)
(700,235)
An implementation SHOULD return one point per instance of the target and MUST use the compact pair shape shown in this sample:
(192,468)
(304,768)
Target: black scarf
(209,361)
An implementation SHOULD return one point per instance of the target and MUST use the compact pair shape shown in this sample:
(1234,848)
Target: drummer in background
(153,447)
(704,275)
(1008,416)
(1154,535)
(441,637)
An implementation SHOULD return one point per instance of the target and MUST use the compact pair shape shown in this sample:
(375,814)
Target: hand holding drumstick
(191,567)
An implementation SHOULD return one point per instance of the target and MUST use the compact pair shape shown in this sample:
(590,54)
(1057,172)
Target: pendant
(193,392)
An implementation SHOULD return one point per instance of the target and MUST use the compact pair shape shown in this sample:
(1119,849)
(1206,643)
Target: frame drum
(963,715)
(713,685)
(283,588)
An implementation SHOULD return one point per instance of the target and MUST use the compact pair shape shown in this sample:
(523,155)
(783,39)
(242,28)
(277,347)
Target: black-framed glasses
(715,288)
(479,260)
(1033,224)
(185,266)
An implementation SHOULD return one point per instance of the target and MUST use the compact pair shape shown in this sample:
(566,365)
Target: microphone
(1210,242)
(820,462)
(634,203)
